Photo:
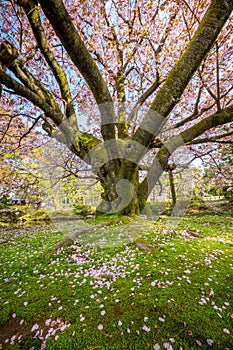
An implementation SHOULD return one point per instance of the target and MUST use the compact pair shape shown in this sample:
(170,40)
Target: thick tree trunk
(121,193)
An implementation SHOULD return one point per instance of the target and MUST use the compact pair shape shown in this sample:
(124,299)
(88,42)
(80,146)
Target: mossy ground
(105,293)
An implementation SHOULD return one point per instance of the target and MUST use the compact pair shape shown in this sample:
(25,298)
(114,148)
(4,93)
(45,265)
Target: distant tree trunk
(171,167)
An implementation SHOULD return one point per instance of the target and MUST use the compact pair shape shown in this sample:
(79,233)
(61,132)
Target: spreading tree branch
(143,98)
(219,118)
(57,14)
(31,9)
(182,72)
(79,142)
(29,130)
(32,83)
(31,96)
(162,157)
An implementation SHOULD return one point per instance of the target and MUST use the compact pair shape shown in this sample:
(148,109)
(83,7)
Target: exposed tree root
(72,238)
(129,226)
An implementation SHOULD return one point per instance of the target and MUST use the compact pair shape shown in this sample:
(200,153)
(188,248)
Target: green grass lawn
(105,293)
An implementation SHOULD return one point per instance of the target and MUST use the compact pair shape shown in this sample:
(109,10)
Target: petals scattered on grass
(146,329)
(198,342)
(156,347)
(226,331)
(34,327)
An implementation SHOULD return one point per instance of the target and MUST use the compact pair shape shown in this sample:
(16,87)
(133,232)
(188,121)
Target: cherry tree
(148,76)
(18,153)
(218,166)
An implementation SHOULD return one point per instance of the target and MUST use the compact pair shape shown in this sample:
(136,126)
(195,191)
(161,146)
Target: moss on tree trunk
(121,194)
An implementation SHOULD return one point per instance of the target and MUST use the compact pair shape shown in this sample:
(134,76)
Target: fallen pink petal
(225,330)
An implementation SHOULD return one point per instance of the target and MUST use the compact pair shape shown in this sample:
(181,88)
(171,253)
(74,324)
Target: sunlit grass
(105,293)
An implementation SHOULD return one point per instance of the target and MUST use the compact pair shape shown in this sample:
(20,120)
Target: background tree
(19,154)
(159,73)
(218,171)
(64,178)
